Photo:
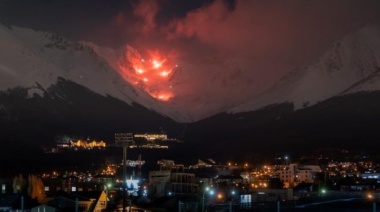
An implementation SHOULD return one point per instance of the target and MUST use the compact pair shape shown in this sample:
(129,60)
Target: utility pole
(122,140)
(139,166)
(22,203)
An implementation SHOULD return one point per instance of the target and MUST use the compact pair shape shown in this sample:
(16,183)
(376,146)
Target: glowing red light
(165,73)
(153,76)
(139,71)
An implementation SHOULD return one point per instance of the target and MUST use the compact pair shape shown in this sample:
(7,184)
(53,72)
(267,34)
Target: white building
(307,173)
(162,183)
(293,174)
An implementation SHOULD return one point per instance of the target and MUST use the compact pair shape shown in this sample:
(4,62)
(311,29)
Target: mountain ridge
(347,62)
(345,68)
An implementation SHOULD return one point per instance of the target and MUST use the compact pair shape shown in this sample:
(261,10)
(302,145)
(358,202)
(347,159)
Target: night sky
(274,36)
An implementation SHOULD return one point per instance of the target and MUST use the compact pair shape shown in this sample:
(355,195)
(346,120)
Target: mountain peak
(347,62)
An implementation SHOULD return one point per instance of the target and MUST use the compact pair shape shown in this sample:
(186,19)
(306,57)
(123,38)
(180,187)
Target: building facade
(293,174)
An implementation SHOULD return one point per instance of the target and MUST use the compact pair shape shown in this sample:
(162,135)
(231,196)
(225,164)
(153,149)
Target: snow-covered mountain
(35,60)
(351,65)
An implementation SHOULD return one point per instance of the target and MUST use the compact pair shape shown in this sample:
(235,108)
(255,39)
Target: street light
(220,196)
(203,197)
(108,186)
(286,159)
(123,140)
(322,192)
(371,196)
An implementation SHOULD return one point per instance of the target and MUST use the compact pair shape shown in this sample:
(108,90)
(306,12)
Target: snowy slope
(349,66)
(203,95)
(35,60)
(18,63)
(201,86)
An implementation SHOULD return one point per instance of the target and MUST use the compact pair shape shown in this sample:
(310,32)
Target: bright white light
(156,64)
(164,73)
(139,71)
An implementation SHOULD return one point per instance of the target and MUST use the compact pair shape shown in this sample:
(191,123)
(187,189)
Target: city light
(370,196)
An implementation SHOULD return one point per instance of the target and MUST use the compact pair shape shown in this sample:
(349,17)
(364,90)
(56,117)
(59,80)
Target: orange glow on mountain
(151,72)
(161,95)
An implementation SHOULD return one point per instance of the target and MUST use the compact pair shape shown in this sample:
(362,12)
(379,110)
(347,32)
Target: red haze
(269,38)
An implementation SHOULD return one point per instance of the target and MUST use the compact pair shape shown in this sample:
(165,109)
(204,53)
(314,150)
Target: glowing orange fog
(151,73)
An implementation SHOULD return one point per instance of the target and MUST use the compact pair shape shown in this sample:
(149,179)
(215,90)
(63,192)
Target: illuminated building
(293,174)
(134,163)
(164,162)
(307,173)
(169,165)
(152,137)
(154,146)
(229,179)
(87,144)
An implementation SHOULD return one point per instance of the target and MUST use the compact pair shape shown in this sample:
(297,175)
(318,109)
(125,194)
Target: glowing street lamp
(203,197)
(286,160)
(108,186)
(371,196)
(220,196)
